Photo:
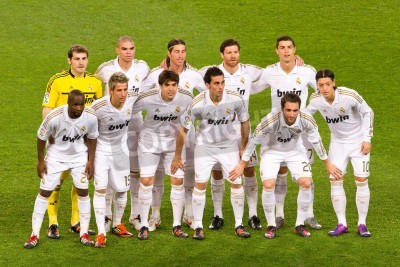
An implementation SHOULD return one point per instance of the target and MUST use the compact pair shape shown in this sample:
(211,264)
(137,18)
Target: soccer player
(114,114)
(157,139)
(286,77)
(136,70)
(215,110)
(67,124)
(238,77)
(350,121)
(189,79)
(56,95)
(279,133)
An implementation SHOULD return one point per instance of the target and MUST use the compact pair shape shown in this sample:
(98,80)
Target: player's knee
(201,186)
(45,193)
(176,181)
(269,184)
(147,181)
(304,182)
(361,179)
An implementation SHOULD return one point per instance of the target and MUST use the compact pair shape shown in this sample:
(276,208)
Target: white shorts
(296,161)
(149,163)
(133,138)
(205,157)
(112,171)
(55,169)
(340,153)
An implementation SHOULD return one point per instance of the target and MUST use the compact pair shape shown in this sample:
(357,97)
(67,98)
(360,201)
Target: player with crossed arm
(164,108)
(350,121)
(189,79)
(136,70)
(214,109)
(67,124)
(280,133)
(57,91)
(286,77)
(114,113)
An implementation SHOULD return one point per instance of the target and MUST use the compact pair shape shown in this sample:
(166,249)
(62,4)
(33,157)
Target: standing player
(238,77)
(189,79)
(114,113)
(157,139)
(136,70)
(350,120)
(215,110)
(67,125)
(286,77)
(279,133)
(56,94)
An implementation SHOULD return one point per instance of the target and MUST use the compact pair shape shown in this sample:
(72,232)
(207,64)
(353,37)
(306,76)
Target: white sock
(120,199)
(237,200)
(362,201)
(268,202)
(177,201)
(99,206)
(251,190)
(310,212)
(339,201)
(38,214)
(109,199)
(134,188)
(188,183)
(199,201)
(84,213)
(145,198)
(303,202)
(280,194)
(217,192)
(158,193)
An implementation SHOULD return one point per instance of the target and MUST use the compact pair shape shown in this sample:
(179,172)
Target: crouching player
(350,121)
(279,133)
(68,125)
(114,112)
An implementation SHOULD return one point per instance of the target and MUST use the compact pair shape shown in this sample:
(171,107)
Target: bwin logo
(218,122)
(118,126)
(337,120)
(282,93)
(165,118)
(72,139)
(285,140)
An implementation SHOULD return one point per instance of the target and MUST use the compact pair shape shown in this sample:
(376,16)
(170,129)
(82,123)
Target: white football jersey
(113,124)
(274,134)
(69,144)
(162,120)
(349,117)
(189,79)
(215,122)
(280,83)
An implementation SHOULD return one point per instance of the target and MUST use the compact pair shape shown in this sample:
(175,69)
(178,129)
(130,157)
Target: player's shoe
(255,223)
(241,232)
(338,230)
(189,221)
(280,222)
(312,222)
(198,234)
(301,231)
(107,223)
(270,232)
(101,240)
(85,239)
(53,232)
(216,223)
(154,223)
(363,231)
(77,229)
(32,242)
(178,232)
(136,222)
(120,230)
(143,233)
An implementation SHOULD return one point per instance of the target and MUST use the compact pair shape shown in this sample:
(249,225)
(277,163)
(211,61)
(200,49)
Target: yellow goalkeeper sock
(74,205)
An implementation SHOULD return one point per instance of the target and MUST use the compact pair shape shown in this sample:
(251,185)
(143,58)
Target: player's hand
(333,170)
(41,168)
(51,140)
(299,60)
(176,164)
(365,148)
(89,170)
(237,171)
(163,64)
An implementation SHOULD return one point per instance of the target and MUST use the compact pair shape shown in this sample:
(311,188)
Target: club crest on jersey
(46,98)
(242,80)
(228,111)
(298,81)
(83,129)
(128,112)
(187,85)
(136,78)
(42,181)
(177,109)
(341,109)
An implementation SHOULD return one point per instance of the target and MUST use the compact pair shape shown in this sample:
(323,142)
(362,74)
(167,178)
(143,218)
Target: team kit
(127,127)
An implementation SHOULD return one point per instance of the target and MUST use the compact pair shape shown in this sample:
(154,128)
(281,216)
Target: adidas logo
(111,119)
(157,110)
